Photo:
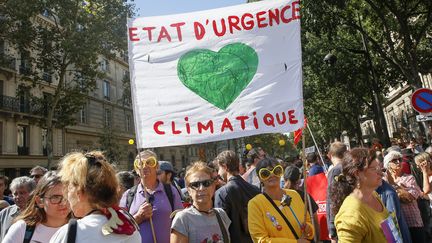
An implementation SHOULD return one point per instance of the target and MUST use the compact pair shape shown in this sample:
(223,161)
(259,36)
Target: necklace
(202,211)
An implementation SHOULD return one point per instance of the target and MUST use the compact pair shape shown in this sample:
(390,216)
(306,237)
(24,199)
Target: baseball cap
(166,166)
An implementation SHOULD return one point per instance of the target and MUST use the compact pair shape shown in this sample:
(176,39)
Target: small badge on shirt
(274,221)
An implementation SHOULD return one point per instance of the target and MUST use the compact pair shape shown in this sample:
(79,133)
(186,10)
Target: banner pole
(146,197)
(304,182)
(319,153)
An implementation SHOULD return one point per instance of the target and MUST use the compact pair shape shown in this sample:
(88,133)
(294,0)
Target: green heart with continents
(218,77)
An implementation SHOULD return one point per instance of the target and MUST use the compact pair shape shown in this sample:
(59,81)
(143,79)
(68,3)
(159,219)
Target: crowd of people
(370,195)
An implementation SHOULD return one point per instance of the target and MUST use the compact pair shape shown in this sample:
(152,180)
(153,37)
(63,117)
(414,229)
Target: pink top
(410,210)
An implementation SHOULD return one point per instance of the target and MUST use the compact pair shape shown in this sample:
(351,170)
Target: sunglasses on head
(149,162)
(197,184)
(265,173)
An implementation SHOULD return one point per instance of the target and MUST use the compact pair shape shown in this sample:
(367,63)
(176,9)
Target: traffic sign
(422,118)
(421,100)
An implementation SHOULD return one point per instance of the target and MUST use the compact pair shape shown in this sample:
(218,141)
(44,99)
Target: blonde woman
(92,191)
(201,222)
(47,211)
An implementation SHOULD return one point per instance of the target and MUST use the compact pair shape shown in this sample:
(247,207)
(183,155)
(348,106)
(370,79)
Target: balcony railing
(23,150)
(13,104)
(24,70)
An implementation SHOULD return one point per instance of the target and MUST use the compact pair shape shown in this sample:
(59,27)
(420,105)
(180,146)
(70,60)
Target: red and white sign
(217,74)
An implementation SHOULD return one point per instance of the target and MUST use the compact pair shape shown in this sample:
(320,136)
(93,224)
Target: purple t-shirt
(161,212)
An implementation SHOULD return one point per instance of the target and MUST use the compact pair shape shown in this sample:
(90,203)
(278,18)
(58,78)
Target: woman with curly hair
(358,208)
(46,212)
(92,191)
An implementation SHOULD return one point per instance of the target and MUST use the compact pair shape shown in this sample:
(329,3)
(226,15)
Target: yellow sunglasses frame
(139,165)
(271,172)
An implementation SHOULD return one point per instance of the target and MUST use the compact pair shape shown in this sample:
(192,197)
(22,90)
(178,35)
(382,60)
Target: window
(107,117)
(104,65)
(25,67)
(44,142)
(83,114)
(22,140)
(106,90)
(128,123)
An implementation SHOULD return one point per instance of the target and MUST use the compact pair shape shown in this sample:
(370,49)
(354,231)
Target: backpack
(131,195)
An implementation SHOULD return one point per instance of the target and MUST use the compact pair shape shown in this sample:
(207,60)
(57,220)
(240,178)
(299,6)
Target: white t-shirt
(89,229)
(41,233)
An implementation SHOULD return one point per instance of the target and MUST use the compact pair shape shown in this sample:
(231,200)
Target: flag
(298,133)
(317,187)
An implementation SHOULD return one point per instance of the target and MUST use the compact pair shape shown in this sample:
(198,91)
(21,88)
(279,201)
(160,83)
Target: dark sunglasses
(36,176)
(197,184)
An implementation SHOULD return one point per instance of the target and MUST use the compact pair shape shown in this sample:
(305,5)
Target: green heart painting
(218,77)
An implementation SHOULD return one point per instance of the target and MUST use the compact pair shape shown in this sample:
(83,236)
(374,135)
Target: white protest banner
(217,74)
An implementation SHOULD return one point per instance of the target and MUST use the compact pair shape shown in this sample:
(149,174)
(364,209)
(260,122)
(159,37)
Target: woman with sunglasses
(410,209)
(92,191)
(277,215)
(358,208)
(201,222)
(46,213)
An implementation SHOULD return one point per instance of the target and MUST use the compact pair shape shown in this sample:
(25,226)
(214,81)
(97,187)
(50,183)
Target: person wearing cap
(166,175)
(410,209)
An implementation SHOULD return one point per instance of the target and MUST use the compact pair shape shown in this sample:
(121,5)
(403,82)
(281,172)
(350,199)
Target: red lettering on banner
(274,16)
(205,127)
(177,26)
(260,19)
(283,11)
(215,28)
(199,30)
(242,120)
(291,117)
(132,34)
(149,32)
(296,10)
(268,119)
(226,124)
(156,127)
(174,131)
(233,22)
(249,24)
(164,34)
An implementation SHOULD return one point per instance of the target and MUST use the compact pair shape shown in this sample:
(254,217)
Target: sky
(167,7)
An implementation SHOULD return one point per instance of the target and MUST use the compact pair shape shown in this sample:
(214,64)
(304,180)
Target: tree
(397,31)
(63,39)
(109,144)
(388,40)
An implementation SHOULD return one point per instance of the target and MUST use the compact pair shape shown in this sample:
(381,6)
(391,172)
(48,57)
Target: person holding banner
(201,222)
(358,208)
(151,202)
(277,215)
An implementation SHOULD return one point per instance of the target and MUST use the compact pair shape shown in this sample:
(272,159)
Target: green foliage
(62,40)
(113,151)
(395,33)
